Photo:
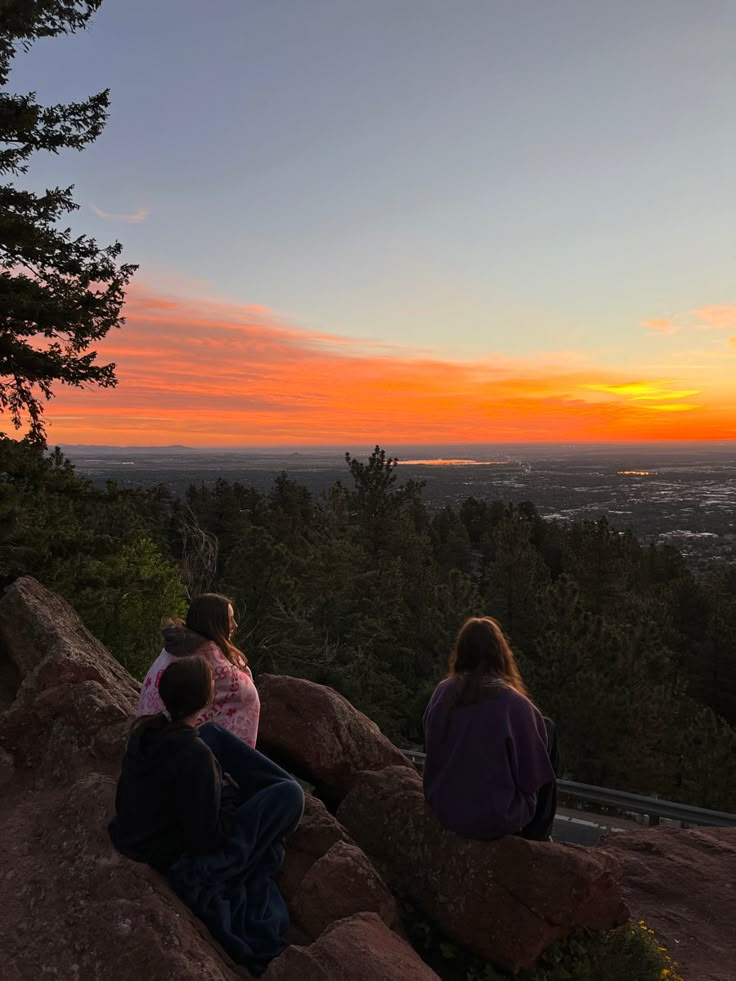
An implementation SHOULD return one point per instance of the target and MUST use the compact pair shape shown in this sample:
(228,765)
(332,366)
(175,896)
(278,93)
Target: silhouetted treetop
(59,293)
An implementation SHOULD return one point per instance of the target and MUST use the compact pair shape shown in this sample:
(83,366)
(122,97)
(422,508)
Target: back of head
(210,616)
(180,641)
(185,688)
(482,654)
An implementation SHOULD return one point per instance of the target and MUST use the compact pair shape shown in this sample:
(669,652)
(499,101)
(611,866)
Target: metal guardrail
(654,807)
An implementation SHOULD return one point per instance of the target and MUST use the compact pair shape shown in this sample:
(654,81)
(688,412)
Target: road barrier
(653,807)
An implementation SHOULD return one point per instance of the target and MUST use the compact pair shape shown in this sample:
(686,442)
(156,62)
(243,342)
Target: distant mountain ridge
(93,448)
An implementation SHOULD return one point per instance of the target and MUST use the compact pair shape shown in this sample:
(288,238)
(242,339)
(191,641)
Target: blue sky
(381,168)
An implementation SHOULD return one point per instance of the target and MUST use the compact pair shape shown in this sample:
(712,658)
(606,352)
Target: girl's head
(481,653)
(211,615)
(186,687)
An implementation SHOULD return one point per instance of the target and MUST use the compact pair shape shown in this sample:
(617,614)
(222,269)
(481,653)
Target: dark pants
(234,890)
(540,826)
(267,794)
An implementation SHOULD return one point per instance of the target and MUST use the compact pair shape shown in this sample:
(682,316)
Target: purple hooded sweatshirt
(485,762)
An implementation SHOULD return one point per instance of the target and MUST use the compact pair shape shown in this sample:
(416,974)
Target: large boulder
(326,877)
(36,624)
(360,948)
(70,700)
(319,734)
(339,884)
(75,909)
(318,831)
(683,884)
(506,900)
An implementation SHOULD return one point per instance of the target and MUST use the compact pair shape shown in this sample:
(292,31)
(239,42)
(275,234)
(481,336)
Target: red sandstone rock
(320,735)
(506,900)
(341,883)
(72,699)
(683,883)
(75,909)
(318,831)
(72,907)
(361,948)
(36,624)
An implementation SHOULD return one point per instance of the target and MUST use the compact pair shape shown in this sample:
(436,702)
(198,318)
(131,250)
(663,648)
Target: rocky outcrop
(72,907)
(506,900)
(75,909)
(72,702)
(326,877)
(38,626)
(320,735)
(78,910)
(670,881)
(361,948)
(340,883)
(318,831)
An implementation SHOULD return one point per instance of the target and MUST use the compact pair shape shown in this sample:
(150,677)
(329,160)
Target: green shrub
(628,953)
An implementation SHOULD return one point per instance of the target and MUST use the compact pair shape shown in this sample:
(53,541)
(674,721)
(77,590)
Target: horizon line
(371,444)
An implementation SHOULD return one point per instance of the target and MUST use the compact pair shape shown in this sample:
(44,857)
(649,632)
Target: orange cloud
(716,317)
(210,373)
(661,327)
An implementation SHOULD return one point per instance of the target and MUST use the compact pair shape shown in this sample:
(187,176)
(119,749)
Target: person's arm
(527,749)
(199,790)
(236,705)
(149,701)
(433,711)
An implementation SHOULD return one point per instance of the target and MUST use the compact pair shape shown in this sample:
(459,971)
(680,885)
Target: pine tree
(58,293)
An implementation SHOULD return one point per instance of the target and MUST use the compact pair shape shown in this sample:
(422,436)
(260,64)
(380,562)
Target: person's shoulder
(212,652)
(519,704)
(197,751)
(443,690)
(446,685)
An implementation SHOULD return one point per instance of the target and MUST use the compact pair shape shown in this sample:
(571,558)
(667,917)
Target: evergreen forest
(364,588)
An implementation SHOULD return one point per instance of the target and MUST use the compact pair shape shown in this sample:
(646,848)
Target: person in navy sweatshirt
(491,757)
(209,812)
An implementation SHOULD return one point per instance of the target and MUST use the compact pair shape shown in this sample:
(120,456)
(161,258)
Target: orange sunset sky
(209,373)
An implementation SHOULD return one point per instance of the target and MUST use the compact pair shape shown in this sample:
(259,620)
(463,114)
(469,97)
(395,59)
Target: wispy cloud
(644,391)
(661,327)
(132,218)
(716,317)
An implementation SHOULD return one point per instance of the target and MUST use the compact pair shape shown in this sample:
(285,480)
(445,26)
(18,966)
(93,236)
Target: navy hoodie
(168,799)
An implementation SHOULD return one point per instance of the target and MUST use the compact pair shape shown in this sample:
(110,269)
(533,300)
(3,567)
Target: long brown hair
(480,657)
(209,616)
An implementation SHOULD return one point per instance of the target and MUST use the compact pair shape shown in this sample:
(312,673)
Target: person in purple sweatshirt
(491,757)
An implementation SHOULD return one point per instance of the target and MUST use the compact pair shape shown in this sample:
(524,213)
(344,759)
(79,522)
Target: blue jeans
(234,890)
(269,797)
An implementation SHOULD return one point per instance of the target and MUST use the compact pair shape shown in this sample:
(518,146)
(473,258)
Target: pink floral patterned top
(236,707)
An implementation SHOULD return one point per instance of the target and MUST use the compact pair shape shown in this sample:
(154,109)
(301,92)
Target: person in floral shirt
(207,633)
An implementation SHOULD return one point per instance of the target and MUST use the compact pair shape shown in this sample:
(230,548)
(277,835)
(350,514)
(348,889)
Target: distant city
(683,494)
